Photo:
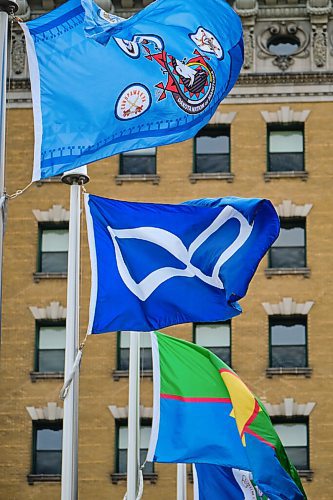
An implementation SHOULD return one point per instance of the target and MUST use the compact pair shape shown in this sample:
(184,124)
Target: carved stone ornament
(286,30)
(246,8)
(23,11)
(319,7)
(19,59)
(319,45)
(248,48)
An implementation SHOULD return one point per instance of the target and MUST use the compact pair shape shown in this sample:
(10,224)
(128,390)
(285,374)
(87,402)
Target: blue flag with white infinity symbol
(157,265)
(102,85)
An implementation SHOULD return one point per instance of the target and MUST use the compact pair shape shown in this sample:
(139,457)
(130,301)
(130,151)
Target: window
(139,162)
(53,248)
(288,251)
(50,346)
(294,436)
(216,337)
(212,150)
(288,341)
(146,362)
(286,149)
(122,439)
(47,445)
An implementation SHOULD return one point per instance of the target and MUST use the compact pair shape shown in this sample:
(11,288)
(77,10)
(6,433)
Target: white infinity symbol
(176,247)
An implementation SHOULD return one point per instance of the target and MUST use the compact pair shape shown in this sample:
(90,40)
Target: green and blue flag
(204,414)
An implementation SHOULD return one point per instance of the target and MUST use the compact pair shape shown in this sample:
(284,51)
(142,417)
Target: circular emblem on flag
(133,102)
(191,82)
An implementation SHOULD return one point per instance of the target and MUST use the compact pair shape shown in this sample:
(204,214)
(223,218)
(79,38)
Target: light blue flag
(102,84)
(216,482)
(158,265)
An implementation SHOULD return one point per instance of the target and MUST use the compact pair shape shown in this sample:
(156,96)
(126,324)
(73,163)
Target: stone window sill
(43,478)
(305,474)
(268,176)
(278,271)
(50,180)
(122,476)
(306,371)
(227,176)
(118,374)
(46,376)
(42,276)
(153,178)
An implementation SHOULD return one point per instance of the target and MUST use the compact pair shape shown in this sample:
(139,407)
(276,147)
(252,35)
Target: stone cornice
(289,408)
(50,412)
(289,209)
(54,311)
(284,78)
(285,115)
(287,307)
(122,413)
(55,214)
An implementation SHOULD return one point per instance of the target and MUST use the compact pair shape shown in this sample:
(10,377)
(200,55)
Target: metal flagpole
(133,444)
(7,7)
(69,471)
(181,481)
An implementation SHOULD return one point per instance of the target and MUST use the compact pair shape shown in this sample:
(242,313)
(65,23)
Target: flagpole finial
(76,176)
(9,6)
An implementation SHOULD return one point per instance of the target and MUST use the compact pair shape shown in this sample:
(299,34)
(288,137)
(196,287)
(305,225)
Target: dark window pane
(48,462)
(223,353)
(51,360)
(292,234)
(123,359)
(286,162)
(212,144)
(146,360)
(54,262)
(287,257)
(290,333)
(49,439)
(212,163)
(149,466)
(122,461)
(138,164)
(298,456)
(288,356)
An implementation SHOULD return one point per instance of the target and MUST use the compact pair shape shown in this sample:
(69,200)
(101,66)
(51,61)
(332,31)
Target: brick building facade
(273,138)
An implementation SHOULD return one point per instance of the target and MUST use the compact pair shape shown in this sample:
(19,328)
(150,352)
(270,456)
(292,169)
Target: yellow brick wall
(249,331)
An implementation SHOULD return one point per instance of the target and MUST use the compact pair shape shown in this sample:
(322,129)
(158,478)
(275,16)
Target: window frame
(281,127)
(123,422)
(229,322)
(296,419)
(287,318)
(291,219)
(118,357)
(40,425)
(226,128)
(138,174)
(38,325)
(44,226)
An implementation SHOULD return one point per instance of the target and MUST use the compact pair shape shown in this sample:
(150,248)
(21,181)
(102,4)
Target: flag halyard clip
(76,366)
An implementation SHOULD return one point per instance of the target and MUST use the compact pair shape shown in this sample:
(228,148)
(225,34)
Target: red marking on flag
(253,416)
(249,431)
(195,400)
